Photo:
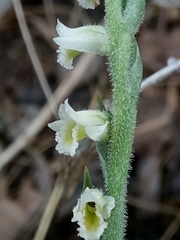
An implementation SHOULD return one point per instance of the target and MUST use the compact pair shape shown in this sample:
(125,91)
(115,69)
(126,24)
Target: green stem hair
(123,18)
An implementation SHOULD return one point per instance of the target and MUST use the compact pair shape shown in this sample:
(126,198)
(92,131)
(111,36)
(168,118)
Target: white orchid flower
(91,211)
(89,4)
(74,41)
(75,126)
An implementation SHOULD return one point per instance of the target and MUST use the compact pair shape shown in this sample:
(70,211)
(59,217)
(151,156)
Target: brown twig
(33,55)
(64,89)
(172,229)
(49,211)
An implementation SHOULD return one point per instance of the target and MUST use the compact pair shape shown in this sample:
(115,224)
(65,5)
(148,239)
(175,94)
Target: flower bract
(89,3)
(74,126)
(91,211)
(74,41)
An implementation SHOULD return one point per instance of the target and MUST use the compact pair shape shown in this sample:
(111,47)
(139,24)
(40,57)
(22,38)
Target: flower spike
(73,41)
(89,4)
(91,211)
(75,126)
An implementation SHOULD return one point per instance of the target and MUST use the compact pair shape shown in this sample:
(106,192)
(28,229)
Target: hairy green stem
(126,75)
(121,141)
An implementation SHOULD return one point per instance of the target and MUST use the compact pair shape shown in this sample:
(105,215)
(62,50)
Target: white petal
(55,126)
(110,204)
(88,4)
(63,115)
(97,133)
(91,195)
(86,117)
(61,29)
(76,212)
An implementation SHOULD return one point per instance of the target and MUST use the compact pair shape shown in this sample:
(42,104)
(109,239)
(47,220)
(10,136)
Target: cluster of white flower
(93,208)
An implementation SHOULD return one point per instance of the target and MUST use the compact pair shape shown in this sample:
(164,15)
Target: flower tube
(74,41)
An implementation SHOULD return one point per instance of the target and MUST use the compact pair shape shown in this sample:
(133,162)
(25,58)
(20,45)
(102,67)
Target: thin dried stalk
(160,75)
(64,89)
(49,211)
(33,55)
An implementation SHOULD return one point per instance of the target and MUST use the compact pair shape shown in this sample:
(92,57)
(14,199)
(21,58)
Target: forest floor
(30,166)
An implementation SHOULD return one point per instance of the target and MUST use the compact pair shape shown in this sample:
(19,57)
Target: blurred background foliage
(32,164)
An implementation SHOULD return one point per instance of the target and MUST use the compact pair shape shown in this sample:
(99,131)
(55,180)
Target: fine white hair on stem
(160,75)
(32,53)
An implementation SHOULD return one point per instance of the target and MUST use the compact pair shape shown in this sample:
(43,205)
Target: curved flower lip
(74,126)
(92,228)
(89,4)
(74,41)
(62,148)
